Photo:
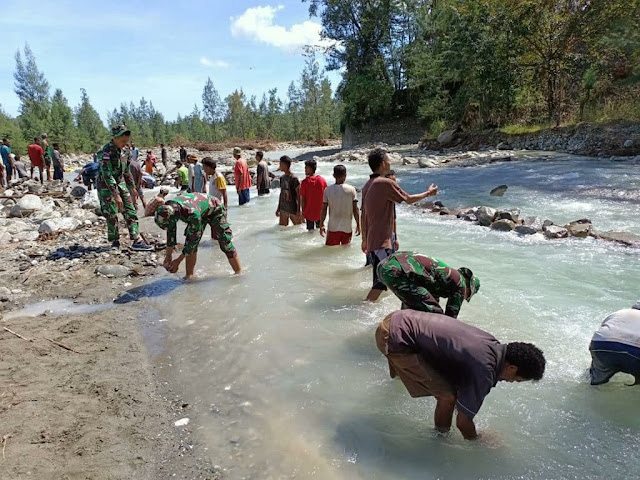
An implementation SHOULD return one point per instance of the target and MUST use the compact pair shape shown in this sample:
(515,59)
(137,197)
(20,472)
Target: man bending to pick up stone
(197,210)
(458,364)
(419,282)
(615,347)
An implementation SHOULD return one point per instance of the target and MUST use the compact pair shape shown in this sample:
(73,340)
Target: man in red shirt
(311,194)
(36,155)
(242,177)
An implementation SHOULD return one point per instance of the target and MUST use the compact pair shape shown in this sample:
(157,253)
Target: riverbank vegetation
(309,111)
(485,63)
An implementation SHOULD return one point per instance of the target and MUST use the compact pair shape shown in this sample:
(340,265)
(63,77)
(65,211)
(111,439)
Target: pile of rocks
(511,221)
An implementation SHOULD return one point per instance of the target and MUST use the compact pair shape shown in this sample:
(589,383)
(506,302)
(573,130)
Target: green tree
(237,114)
(213,108)
(92,133)
(32,89)
(62,129)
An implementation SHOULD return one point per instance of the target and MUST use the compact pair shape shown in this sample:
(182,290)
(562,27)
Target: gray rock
(625,238)
(554,231)
(526,230)
(499,191)
(116,271)
(5,294)
(27,236)
(447,137)
(39,217)
(513,215)
(275,183)
(503,225)
(546,224)
(628,144)
(486,215)
(78,191)
(579,228)
(425,162)
(533,222)
(57,224)
(29,204)
(409,161)
(82,215)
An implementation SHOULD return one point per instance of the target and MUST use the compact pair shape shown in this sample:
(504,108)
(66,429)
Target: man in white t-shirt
(615,347)
(341,202)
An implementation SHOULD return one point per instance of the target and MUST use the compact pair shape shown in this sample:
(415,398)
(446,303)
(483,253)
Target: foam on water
(283,362)
(56,308)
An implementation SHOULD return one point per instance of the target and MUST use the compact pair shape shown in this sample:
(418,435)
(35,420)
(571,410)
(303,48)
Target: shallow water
(282,363)
(57,308)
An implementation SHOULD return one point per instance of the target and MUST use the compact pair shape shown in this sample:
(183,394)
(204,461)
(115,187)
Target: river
(282,370)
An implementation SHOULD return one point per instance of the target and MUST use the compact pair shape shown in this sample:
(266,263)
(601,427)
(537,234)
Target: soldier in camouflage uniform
(197,210)
(419,282)
(114,180)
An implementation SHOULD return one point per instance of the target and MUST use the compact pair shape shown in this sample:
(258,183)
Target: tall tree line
(308,111)
(485,62)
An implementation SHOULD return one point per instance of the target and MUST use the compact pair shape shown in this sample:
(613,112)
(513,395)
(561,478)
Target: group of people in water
(426,346)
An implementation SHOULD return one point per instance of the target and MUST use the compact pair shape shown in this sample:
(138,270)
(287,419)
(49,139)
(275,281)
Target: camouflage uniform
(197,210)
(419,282)
(115,179)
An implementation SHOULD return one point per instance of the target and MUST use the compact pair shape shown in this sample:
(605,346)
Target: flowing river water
(287,381)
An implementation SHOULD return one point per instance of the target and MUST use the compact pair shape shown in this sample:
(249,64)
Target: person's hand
(277,213)
(357,230)
(119,203)
(397,245)
(364,248)
(322,231)
(433,190)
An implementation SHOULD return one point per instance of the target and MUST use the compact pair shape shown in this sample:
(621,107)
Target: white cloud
(258,23)
(206,62)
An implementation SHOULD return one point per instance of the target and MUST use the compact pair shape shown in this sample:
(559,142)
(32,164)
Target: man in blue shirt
(7,163)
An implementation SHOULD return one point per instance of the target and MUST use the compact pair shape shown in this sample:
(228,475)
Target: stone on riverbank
(579,228)
(447,137)
(486,215)
(57,224)
(503,225)
(554,232)
(27,205)
(625,238)
(513,215)
(113,271)
(526,230)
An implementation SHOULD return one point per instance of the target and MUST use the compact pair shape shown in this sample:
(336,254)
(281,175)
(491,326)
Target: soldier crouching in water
(197,210)
(114,184)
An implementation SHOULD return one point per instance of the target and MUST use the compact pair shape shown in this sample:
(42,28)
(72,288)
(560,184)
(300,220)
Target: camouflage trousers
(110,210)
(410,288)
(220,227)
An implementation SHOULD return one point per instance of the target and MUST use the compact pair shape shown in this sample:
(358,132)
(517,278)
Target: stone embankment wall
(391,132)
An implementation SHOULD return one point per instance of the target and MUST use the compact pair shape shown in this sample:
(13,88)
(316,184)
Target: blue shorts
(379,256)
(243,196)
(609,358)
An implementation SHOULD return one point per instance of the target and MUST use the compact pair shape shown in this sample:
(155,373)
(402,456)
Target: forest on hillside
(485,63)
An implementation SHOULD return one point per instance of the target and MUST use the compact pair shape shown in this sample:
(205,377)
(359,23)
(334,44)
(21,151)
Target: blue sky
(162,50)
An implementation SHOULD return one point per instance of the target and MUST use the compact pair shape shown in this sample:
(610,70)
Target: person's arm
(456,297)
(363,228)
(431,191)
(221,184)
(356,215)
(106,172)
(395,231)
(259,176)
(128,179)
(299,200)
(325,208)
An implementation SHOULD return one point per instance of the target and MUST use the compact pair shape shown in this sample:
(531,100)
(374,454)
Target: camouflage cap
(473,283)
(120,130)
(237,151)
(164,215)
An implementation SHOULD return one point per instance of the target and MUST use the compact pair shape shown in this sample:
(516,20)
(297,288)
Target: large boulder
(57,224)
(29,204)
(499,191)
(625,238)
(554,231)
(78,191)
(275,183)
(447,137)
(426,162)
(512,215)
(579,228)
(90,200)
(503,225)
(113,271)
(486,215)
(533,222)
(526,230)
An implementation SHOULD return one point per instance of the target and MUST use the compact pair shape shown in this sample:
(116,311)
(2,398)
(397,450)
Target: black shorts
(379,256)
(263,191)
(312,225)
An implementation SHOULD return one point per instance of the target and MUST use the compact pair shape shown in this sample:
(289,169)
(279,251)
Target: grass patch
(525,129)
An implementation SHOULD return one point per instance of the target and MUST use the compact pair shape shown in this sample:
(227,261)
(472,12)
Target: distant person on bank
(163,155)
(197,210)
(615,347)
(89,175)
(311,195)
(340,202)
(48,155)
(136,172)
(242,177)
(58,164)
(36,155)
(379,196)
(7,165)
(183,154)
(458,364)
(420,281)
(289,201)
(114,186)
(197,183)
(182,177)
(263,179)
